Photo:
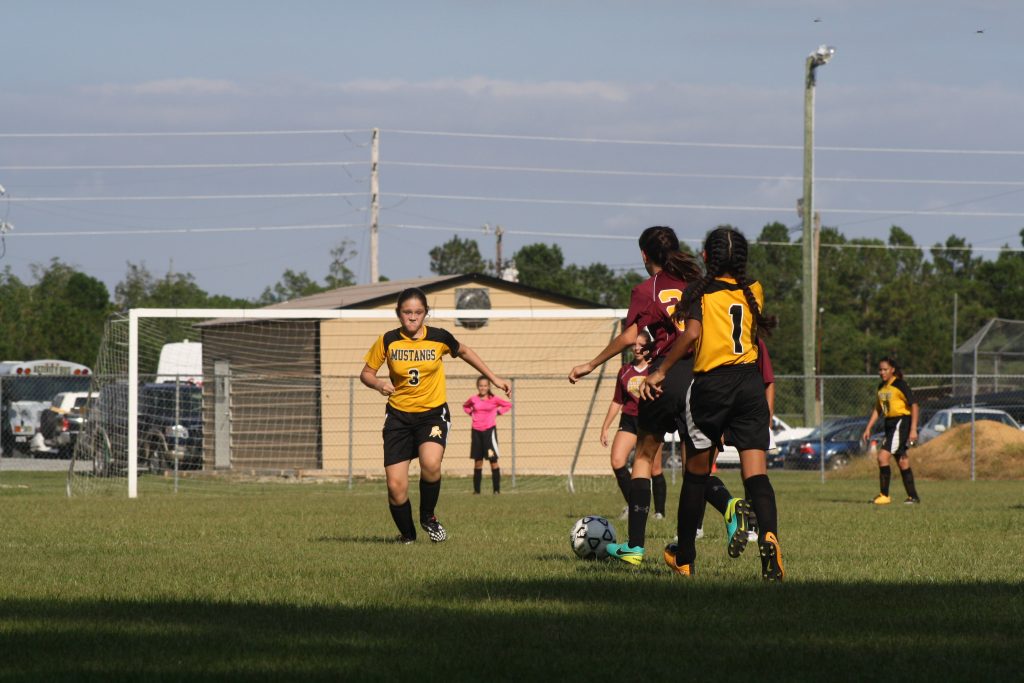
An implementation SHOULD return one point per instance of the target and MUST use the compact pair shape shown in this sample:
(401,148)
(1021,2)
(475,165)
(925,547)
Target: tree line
(878,298)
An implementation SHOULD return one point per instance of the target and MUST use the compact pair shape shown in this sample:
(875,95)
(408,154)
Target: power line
(193,134)
(711,145)
(140,198)
(147,167)
(187,231)
(699,176)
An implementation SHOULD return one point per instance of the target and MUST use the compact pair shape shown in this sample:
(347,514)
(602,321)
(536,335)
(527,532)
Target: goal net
(212,398)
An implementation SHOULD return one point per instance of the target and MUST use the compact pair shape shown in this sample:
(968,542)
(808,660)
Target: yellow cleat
(882,499)
(771,558)
(670,560)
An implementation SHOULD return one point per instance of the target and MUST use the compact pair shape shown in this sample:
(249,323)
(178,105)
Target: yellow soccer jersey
(729,332)
(415,367)
(894,398)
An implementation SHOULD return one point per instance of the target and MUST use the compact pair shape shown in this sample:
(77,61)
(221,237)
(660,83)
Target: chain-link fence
(247,427)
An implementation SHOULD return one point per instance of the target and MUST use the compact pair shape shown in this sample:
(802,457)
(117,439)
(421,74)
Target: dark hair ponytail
(662,248)
(412,293)
(895,367)
(726,249)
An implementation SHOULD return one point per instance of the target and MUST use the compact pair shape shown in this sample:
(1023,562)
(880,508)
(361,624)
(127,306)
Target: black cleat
(434,529)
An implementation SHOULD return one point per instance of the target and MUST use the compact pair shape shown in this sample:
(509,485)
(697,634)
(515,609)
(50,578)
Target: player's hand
(912,441)
(604,438)
(579,372)
(650,387)
(504,385)
(386,388)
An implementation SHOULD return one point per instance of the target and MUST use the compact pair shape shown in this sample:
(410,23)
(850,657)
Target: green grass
(301,581)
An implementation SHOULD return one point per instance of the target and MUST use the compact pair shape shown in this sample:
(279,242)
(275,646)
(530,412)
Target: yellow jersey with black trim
(729,330)
(894,398)
(415,366)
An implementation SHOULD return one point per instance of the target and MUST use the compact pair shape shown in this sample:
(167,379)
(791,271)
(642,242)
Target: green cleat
(737,523)
(626,553)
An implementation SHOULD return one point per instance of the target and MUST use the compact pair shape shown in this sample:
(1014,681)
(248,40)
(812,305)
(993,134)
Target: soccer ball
(590,537)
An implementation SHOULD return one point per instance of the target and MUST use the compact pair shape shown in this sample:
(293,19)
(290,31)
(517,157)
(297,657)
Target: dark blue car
(842,443)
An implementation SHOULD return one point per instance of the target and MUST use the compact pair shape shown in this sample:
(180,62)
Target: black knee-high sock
(478,476)
(496,479)
(622,479)
(691,506)
(429,493)
(716,493)
(908,482)
(402,514)
(762,498)
(639,508)
(884,474)
(660,490)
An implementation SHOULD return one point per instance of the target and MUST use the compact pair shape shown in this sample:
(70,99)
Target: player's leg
(476,451)
(397,476)
(632,551)
(903,461)
(623,443)
(890,444)
(432,435)
(492,456)
(659,489)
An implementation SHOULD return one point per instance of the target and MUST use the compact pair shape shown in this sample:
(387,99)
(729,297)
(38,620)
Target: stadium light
(819,57)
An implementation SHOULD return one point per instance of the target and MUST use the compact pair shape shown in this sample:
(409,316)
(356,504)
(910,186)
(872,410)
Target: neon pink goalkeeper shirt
(485,411)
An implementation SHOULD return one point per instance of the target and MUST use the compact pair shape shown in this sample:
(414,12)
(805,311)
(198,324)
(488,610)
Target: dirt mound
(999,454)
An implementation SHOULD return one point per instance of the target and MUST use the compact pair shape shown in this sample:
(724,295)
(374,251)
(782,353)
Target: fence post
(512,382)
(351,423)
(974,392)
(821,425)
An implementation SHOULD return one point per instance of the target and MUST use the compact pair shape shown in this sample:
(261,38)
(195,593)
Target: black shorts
(728,399)
(627,423)
(897,434)
(484,444)
(404,432)
(664,414)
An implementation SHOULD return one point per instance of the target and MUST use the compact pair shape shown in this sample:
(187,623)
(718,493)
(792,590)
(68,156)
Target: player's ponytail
(661,246)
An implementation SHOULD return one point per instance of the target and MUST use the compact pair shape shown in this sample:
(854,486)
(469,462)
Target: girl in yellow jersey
(723,317)
(895,403)
(416,418)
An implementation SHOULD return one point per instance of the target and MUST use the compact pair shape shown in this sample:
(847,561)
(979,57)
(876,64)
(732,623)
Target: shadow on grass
(578,627)
(381,540)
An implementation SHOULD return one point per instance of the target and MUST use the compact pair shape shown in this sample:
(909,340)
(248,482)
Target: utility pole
(498,232)
(374,207)
(817,58)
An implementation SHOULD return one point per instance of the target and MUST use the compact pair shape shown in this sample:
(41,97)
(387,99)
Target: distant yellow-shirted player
(894,402)
(416,419)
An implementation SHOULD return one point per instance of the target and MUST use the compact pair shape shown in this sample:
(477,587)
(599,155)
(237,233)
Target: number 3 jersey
(415,366)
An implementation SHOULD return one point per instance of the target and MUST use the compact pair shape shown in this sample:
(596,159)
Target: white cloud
(479,86)
(168,87)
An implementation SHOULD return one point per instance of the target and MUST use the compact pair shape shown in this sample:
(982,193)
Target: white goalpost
(276,392)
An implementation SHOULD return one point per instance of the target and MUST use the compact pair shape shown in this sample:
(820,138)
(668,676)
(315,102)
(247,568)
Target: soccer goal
(191,396)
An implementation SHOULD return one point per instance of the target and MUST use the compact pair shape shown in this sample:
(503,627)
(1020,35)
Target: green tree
(457,256)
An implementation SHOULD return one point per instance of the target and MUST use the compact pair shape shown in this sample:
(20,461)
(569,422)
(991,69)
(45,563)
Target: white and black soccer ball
(590,537)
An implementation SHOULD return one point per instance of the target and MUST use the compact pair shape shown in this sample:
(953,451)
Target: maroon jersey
(651,306)
(627,388)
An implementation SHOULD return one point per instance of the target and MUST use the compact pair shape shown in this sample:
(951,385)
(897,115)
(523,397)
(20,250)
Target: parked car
(60,424)
(170,428)
(951,417)
(842,440)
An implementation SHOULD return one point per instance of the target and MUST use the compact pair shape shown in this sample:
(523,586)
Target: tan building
(299,404)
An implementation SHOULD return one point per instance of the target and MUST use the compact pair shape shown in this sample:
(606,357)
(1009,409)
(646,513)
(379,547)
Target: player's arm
(683,345)
(470,356)
(613,410)
(913,422)
(369,378)
(616,346)
(769,394)
(871,423)
(468,406)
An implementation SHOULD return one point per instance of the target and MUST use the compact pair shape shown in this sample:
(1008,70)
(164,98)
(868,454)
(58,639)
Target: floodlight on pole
(819,57)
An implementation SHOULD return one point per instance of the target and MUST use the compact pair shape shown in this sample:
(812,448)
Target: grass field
(302,581)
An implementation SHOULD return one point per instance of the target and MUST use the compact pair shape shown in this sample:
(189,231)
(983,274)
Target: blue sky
(720,80)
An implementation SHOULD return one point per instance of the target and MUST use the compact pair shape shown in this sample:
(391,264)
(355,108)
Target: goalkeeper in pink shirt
(485,408)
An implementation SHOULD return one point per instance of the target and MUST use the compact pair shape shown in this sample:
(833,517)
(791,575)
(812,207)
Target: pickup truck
(60,424)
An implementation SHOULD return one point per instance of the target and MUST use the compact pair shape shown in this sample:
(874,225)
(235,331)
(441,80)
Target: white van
(181,362)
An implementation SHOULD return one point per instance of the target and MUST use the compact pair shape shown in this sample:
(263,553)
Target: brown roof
(371,295)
